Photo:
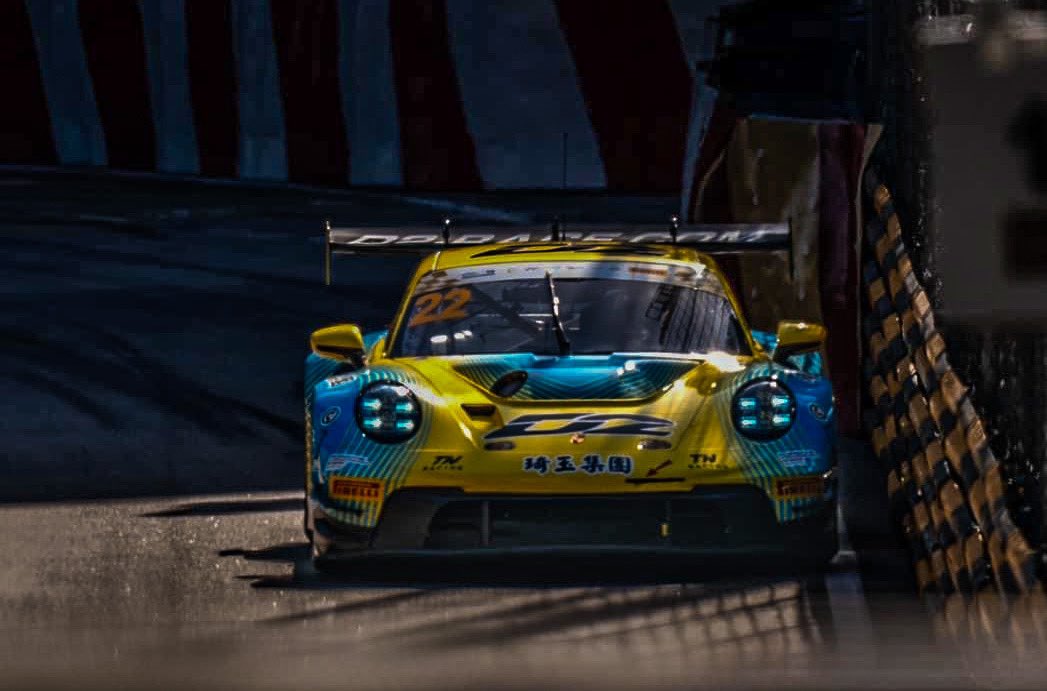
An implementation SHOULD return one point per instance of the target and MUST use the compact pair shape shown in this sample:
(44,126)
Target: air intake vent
(475,410)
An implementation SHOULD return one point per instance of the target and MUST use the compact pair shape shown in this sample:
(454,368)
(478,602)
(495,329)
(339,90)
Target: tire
(823,556)
(322,563)
(817,541)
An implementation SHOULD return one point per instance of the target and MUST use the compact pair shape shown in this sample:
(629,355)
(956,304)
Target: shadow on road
(228,506)
(555,568)
(444,603)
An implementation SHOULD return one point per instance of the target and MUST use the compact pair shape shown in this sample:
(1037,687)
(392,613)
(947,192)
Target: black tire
(321,561)
(817,541)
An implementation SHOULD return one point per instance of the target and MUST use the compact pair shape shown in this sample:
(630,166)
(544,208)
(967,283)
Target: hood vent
(527,377)
(509,383)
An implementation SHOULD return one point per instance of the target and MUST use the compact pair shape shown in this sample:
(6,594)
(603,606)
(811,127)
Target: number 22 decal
(428,308)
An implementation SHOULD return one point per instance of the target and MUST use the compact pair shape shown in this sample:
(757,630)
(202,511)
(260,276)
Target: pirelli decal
(356,489)
(798,487)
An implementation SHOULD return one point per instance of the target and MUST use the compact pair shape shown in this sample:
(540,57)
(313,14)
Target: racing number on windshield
(439,307)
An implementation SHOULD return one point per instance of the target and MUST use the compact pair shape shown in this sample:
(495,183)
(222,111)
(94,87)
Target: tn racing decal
(444,462)
(584,424)
(703,461)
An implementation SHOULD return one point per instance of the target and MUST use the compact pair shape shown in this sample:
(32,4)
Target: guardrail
(945,485)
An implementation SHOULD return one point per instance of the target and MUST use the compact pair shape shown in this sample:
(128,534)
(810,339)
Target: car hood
(578,378)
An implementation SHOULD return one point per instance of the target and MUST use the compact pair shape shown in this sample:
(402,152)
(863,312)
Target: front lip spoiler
(406,525)
(558,550)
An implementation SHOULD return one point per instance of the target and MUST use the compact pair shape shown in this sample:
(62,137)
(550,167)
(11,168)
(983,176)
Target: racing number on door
(439,307)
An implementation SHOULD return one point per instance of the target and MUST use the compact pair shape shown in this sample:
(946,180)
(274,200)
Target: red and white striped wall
(422,94)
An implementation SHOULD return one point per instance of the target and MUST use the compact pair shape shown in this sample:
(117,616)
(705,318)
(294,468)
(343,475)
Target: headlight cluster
(388,412)
(763,409)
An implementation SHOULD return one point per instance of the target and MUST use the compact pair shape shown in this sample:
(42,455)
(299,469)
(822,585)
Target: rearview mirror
(795,337)
(339,342)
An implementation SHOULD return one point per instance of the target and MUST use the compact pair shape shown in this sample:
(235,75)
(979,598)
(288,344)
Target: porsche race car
(600,389)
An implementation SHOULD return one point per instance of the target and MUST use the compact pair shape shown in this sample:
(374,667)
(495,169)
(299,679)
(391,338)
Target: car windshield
(604,307)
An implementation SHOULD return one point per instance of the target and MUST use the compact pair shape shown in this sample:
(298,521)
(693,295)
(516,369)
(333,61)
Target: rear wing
(711,238)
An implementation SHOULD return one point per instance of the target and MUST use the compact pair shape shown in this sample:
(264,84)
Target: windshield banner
(684,275)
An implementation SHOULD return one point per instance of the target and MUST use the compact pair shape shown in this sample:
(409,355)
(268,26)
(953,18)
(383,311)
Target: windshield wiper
(554,303)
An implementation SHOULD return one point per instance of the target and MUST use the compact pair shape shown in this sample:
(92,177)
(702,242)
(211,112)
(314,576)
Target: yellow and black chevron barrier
(946,488)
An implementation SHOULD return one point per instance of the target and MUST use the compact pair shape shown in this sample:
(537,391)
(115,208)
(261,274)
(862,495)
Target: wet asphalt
(150,511)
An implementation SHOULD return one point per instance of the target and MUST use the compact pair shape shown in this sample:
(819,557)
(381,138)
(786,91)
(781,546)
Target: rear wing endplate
(711,238)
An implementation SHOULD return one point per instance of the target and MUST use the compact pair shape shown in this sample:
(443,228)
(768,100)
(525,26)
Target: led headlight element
(388,412)
(763,409)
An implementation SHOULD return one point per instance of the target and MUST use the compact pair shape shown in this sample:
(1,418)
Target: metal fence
(946,485)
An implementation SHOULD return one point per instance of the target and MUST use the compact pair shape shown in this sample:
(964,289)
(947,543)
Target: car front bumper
(719,519)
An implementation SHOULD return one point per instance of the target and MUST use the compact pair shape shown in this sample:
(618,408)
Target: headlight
(388,412)
(763,409)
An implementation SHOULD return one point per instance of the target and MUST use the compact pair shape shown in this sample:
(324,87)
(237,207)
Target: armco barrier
(946,487)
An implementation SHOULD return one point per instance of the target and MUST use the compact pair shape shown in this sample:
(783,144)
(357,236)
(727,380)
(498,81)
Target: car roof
(477,255)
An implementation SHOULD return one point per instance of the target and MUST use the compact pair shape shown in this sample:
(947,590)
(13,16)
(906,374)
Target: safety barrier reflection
(994,629)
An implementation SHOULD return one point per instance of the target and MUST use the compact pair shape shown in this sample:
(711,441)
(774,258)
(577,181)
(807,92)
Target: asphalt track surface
(153,334)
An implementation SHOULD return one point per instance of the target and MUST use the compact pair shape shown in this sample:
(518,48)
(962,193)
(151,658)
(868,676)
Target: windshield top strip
(683,275)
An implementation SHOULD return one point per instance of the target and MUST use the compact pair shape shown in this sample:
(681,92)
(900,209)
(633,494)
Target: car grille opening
(683,521)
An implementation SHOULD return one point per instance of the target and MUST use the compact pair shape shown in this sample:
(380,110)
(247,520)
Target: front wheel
(816,540)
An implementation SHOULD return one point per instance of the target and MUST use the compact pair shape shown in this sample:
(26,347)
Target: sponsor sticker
(759,234)
(339,380)
(589,464)
(338,461)
(467,275)
(818,412)
(444,462)
(659,468)
(584,424)
(356,489)
(795,458)
(647,271)
(329,416)
(703,461)
(798,488)
(675,274)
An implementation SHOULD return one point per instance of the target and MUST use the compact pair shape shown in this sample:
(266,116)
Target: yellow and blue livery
(595,391)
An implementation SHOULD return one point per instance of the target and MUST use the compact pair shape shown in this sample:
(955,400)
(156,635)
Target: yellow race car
(593,389)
